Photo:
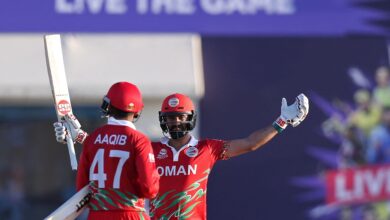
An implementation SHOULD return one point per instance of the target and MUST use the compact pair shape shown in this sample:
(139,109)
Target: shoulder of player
(121,129)
(204,143)
(93,134)
(134,135)
(210,142)
(200,143)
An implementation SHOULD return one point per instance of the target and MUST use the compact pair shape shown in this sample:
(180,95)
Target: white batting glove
(72,125)
(60,132)
(292,114)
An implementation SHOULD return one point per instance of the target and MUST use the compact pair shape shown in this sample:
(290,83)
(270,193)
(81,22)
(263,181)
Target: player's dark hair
(118,114)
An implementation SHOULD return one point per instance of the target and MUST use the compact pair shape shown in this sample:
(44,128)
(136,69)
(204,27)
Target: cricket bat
(73,207)
(59,86)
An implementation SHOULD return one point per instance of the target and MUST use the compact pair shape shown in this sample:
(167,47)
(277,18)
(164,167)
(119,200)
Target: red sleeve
(218,149)
(148,178)
(83,168)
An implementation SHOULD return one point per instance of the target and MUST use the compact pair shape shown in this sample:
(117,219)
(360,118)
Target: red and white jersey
(183,178)
(119,163)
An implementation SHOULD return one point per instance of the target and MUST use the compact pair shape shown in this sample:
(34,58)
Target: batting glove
(292,114)
(72,125)
(60,132)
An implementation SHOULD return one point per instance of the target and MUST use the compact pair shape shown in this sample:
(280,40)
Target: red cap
(177,103)
(126,97)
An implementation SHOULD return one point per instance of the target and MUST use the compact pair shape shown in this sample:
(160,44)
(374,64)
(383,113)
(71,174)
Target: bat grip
(72,152)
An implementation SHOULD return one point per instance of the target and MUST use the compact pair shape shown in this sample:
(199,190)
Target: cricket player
(117,160)
(184,163)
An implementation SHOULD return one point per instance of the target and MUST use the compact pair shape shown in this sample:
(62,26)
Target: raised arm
(290,114)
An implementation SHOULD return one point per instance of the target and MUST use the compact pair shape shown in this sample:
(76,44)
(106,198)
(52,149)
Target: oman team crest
(191,151)
(173,102)
(64,107)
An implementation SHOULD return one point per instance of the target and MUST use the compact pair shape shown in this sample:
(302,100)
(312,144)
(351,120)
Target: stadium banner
(228,17)
(326,168)
(358,185)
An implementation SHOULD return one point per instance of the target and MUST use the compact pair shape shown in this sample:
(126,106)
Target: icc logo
(162,154)
(64,107)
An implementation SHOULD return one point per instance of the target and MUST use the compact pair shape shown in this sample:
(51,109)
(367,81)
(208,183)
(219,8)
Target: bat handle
(72,152)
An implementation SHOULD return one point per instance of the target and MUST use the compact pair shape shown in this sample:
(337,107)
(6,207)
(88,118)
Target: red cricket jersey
(119,163)
(183,178)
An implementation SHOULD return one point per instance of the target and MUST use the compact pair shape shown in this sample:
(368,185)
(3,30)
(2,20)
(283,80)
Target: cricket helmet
(123,96)
(176,105)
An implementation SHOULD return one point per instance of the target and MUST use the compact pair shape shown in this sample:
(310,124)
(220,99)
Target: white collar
(193,141)
(113,121)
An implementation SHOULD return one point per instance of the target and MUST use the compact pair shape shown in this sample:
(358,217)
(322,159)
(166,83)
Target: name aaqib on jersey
(177,170)
(112,139)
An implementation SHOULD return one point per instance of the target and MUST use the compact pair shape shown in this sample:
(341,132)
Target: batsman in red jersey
(117,160)
(184,163)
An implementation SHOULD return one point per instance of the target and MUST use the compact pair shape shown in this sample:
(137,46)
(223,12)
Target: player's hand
(72,125)
(292,114)
(60,132)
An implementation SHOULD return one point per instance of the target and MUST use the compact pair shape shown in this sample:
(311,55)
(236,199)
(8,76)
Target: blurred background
(236,59)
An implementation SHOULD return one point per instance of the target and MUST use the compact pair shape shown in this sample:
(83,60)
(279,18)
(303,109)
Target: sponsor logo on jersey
(113,139)
(191,151)
(177,170)
(162,154)
(173,102)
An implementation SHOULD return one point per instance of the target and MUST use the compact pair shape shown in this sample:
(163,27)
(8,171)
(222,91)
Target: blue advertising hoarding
(214,17)
(246,79)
